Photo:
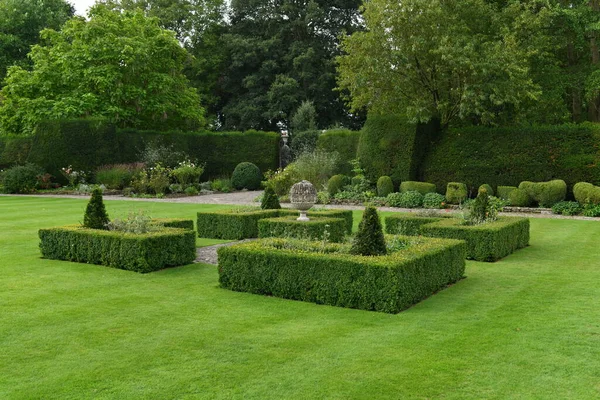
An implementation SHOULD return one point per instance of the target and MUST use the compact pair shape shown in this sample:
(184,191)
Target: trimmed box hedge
(243,224)
(147,252)
(326,275)
(314,229)
(180,223)
(406,224)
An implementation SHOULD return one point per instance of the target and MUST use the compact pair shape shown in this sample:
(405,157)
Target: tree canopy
(120,66)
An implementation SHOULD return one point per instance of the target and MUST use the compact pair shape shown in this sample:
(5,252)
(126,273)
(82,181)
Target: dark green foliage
(20,179)
(519,198)
(586,193)
(304,119)
(504,191)
(243,224)
(146,252)
(318,228)
(490,241)
(410,199)
(385,186)
(180,223)
(456,192)
(567,208)
(421,187)
(407,224)
(246,176)
(95,216)
(434,200)
(270,201)
(369,240)
(385,148)
(303,142)
(487,188)
(546,194)
(591,210)
(14,150)
(478,208)
(388,283)
(510,155)
(336,184)
(342,141)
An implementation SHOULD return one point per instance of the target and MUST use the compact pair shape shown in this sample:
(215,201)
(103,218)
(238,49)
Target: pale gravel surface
(208,254)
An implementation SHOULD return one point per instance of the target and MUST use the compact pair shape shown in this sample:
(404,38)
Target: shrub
(410,199)
(456,192)
(221,185)
(117,176)
(304,142)
(421,187)
(188,173)
(336,183)
(385,186)
(434,200)
(487,188)
(369,240)
(95,213)
(282,180)
(546,194)
(246,176)
(304,118)
(318,228)
(156,153)
(567,208)
(329,275)
(316,167)
(342,141)
(158,179)
(478,211)
(136,222)
(21,179)
(504,191)
(147,252)
(519,198)
(270,201)
(591,210)
(586,193)
(407,224)
(180,223)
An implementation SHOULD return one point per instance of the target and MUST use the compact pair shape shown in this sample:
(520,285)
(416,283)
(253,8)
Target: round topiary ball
(519,198)
(385,186)
(246,176)
(336,184)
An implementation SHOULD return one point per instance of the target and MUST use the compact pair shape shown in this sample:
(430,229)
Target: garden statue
(303,196)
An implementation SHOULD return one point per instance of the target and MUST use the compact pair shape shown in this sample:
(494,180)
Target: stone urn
(303,196)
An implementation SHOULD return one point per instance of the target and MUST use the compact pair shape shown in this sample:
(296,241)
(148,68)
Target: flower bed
(328,274)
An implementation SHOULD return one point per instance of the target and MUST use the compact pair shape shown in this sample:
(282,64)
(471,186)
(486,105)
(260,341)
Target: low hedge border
(314,229)
(146,252)
(389,283)
(407,224)
(180,223)
(238,225)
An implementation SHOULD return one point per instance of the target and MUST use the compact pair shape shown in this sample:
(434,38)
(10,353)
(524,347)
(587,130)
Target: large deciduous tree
(20,24)
(121,66)
(437,59)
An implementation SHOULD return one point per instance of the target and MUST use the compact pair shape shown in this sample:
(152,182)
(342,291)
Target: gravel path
(208,254)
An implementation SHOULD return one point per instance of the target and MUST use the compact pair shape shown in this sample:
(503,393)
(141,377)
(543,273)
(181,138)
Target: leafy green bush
(519,198)
(246,176)
(385,186)
(221,185)
(187,172)
(318,228)
(146,252)
(342,141)
(456,192)
(135,222)
(407,224)
(421,187)
(270,201)
(369,240)
(591,210)
(504,191)
(434,200)
(156,152)
(21,179)
(336,184)
(282,180)
(180,223)
(316,167)
(586,193)
(567,208)
(95,216)
(117,176)
(482,209)
(546,194)
(488,189)
(410,199)
(329,275)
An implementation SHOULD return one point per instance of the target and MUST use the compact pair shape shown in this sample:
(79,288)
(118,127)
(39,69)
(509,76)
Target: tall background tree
(20,24)
(120,66)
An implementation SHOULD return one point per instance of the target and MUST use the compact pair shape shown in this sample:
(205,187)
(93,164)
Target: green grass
(525,327)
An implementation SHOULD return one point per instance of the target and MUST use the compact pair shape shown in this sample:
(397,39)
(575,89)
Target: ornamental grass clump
(95,213)
(369,240)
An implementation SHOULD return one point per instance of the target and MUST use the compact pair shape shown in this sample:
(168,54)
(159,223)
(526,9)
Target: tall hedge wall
(345,142)
(508,156)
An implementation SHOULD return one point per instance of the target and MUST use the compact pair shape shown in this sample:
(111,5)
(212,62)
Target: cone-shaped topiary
(270,201)
(95,213)
(369,240)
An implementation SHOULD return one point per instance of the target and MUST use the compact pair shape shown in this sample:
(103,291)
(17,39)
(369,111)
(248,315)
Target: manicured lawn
(527,326)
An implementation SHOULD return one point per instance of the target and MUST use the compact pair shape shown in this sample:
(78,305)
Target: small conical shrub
(95,213)
(270,201)
(369,240)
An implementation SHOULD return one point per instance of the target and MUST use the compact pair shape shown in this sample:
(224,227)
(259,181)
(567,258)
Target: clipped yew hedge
(180,223)
(147,252)
(406,224)
(314,229)
(329,275)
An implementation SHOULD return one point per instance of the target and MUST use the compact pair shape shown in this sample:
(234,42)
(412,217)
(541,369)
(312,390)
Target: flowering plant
(74,177)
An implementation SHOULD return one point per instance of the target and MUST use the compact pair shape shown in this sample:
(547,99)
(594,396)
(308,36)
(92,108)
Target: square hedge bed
(238,224)
(486,242)
(147,252)
(327,274)
(314,229)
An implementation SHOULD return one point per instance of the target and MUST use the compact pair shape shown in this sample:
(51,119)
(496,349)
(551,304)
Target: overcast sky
(81,6)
